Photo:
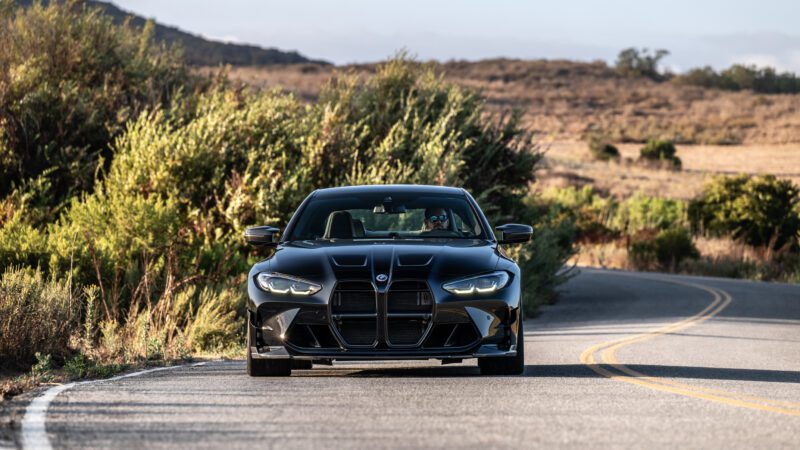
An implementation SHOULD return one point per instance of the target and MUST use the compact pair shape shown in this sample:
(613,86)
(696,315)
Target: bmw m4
(385,273)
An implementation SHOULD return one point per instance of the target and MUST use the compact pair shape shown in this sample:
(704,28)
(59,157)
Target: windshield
(388,216)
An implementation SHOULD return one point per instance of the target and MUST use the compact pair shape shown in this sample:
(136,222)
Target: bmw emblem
(381,278)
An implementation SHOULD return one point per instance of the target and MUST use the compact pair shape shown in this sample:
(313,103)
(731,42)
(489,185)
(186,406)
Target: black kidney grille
(409,296)
(354,298)
(405,331)
(351,299)
(409,305)
(358,331)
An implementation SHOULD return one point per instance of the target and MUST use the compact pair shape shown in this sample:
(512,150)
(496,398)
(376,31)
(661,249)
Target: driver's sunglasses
(441,218)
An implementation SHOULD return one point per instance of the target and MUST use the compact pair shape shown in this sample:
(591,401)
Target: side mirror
(514,233)
(261,236)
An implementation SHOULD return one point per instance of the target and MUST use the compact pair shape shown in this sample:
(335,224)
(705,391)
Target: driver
(435,219)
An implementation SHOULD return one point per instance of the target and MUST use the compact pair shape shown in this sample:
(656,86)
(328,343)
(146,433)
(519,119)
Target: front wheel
(268,367)
(506,365)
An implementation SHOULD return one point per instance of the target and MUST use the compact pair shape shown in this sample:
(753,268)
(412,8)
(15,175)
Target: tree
(634,63)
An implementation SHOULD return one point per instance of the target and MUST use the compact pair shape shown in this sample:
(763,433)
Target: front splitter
(484,351)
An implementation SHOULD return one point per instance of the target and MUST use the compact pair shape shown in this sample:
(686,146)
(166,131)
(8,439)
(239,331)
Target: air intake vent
(350,260)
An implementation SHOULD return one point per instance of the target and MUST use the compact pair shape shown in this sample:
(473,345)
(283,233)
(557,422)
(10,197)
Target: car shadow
(583,371)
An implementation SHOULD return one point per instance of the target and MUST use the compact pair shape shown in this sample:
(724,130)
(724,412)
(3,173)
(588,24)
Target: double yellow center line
(610,367)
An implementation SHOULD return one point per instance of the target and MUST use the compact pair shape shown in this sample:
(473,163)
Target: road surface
(623,360)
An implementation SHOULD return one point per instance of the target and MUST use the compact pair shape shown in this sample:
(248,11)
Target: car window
(387,215)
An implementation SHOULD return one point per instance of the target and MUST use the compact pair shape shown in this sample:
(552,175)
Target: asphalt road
(623,360)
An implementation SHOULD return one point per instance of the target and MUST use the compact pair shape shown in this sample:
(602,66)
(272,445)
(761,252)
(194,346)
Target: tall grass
(37,314)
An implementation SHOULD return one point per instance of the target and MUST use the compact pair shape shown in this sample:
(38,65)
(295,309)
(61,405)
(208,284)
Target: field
(716,132)
(565,100)
(568,163)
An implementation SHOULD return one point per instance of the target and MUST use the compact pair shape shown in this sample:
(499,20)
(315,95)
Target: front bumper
(359,320)
(281,352)
(459,330)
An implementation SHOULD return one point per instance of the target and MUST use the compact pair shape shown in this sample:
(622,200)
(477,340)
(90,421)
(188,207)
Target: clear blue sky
(697,32)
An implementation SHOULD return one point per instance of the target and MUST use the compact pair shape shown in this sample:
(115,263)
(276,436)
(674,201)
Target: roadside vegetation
(128,182)
(739,227)
(740,77)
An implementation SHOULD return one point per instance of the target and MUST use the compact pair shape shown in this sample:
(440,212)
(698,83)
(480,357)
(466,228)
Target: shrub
(36,315)
(81,366)
(591,214)
(43,367)
(662,250)
(660,151)
(69,80)
(642,212)
(761,210)
(543,261)
(602,150)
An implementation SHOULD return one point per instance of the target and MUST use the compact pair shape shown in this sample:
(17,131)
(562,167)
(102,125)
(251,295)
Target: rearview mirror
(514,233)
(261,236)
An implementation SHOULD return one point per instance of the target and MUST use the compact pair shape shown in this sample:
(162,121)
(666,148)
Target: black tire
(511,365)
(302,364)
(267,367)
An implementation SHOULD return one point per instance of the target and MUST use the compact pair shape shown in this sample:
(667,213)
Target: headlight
(480,284)
(284,284)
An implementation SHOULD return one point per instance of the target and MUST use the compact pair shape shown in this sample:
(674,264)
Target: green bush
(69,81)
(660,151)
(543,260)
(36,315)
(602,150)
(591,214)
(81,366)
(662,250)
(642,212)
(760,210)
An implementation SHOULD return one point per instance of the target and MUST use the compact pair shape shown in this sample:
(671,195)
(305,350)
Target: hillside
(198,50)
(568,99)
(717,132)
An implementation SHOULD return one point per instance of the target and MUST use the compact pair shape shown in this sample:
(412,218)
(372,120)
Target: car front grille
(409,296)
(399,318)
(358,332)
(409,306)
(354,297)
(354,313)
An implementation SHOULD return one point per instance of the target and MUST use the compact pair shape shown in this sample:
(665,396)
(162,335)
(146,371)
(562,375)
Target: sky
(696,32)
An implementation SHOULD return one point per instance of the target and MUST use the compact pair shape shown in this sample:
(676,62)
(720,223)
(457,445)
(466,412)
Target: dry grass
(564,100)
(610,255)
(569,163)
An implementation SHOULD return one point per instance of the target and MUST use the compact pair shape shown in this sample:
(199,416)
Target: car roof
(389,188)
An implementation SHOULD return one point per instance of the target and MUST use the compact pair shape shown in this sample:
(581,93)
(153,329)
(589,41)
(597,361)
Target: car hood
(396,259)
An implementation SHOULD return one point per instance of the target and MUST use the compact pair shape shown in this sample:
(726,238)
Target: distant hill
(200,51)
(567,100)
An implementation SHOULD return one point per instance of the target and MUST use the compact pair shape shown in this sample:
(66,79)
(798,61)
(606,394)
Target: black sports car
(385,272)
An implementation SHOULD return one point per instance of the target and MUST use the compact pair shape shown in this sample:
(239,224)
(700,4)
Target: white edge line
(34,433)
